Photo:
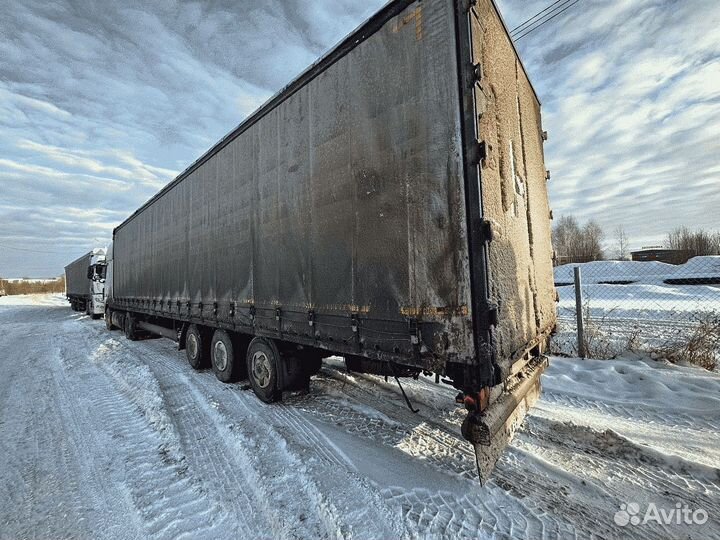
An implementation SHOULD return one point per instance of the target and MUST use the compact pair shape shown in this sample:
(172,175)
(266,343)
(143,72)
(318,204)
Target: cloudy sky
(102,103)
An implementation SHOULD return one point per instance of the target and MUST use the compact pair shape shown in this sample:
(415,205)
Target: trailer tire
(225,365)
(263,362)
(130,327)
(197,348)
(108,320)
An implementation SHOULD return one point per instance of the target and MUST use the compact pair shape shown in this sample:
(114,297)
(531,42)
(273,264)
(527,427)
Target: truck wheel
(196,348)
(108,320)
(130,330)
(263,360)
(222,353)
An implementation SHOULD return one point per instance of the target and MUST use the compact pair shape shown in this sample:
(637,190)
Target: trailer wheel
(263,360)
(226,366)
(130,328)
(197,350)
(108,319)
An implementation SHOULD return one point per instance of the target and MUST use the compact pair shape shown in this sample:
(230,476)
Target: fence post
(579,313)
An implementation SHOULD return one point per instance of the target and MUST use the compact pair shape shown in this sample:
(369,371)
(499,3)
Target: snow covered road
(105,438)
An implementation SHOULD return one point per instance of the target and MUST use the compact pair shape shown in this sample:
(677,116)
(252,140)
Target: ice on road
(101,437)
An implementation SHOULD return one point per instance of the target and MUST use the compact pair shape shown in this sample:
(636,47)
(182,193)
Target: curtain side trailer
(388,206)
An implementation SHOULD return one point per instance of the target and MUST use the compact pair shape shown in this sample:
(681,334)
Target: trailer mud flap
(491,430)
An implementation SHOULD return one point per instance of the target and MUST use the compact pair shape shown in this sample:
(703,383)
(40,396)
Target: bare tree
(574,243)
(593,236)
(694,243)
(27,286)
(622,243)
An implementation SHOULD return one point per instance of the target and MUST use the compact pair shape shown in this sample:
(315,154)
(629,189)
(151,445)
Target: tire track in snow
(636,413)
(169,503)
(447,452)
(624,468)
(548,483)
(291,443)
(543,491)
(202,445)
(53,475)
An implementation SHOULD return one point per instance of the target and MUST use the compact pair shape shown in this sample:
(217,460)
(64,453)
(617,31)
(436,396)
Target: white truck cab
(85,283)
(96,273)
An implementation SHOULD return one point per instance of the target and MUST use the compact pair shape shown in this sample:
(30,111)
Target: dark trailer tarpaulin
(76,280)
(351,212)
(345,197)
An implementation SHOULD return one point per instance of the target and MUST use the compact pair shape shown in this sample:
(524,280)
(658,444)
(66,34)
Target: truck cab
(96,273)
(85,283)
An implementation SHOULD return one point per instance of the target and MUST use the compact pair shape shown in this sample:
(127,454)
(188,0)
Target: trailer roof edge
(347,44)
(517,53)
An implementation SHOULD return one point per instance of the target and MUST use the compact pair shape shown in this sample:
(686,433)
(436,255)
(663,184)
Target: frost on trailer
(389,206)
(85,283)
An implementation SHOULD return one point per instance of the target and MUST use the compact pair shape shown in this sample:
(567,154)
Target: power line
(43,252)
(518,27)
(530,30)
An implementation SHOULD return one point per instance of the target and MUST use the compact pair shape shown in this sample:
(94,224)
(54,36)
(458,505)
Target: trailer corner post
(579,313)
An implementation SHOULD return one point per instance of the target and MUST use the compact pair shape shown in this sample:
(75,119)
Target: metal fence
(608,309)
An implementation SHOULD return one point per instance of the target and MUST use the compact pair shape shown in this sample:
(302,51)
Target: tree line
(576,243)
(27,286)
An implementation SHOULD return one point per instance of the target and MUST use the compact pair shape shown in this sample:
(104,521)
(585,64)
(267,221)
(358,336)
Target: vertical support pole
(579,313)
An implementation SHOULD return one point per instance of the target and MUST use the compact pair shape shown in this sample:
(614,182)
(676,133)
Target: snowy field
(646,314)
(105,438)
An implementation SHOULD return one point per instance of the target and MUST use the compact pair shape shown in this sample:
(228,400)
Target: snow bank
(33,300)
(698,267)
(31,280)
(598,272)
(638,383)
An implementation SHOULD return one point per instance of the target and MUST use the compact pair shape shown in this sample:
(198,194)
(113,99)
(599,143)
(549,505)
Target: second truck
(389,206)
(85,283)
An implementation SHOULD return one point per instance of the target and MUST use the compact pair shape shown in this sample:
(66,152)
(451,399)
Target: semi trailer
(85,283)
(389,206)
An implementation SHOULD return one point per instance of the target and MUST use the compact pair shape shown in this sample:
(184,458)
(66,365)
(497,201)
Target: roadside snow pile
(707,267)
(615,271)
(658,386)
(649,272)
(33,300)
(30,280)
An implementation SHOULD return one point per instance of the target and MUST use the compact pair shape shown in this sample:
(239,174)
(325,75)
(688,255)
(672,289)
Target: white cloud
(631,97)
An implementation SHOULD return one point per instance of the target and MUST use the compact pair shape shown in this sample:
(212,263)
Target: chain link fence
(649,308)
